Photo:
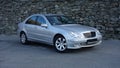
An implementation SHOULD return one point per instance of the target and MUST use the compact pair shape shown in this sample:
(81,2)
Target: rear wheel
(60,43)
(23,38)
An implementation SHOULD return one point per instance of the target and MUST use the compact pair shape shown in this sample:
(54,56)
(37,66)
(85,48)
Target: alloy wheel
(23,38)
(60,44)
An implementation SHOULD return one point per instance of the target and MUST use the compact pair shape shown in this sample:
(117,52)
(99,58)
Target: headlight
(74,34)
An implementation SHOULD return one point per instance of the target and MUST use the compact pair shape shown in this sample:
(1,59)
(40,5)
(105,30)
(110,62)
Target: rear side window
(32,20)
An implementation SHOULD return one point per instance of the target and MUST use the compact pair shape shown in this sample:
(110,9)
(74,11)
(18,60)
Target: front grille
(90,34)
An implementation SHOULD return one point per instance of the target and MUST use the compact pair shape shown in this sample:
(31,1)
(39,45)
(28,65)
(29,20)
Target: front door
(43,33)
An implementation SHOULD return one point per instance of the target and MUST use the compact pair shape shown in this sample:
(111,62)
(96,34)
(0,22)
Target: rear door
(30,27)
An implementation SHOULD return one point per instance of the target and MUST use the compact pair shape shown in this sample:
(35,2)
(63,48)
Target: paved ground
(15,55)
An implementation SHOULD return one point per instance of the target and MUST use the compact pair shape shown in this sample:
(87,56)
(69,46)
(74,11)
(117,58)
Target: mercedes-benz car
(58,30)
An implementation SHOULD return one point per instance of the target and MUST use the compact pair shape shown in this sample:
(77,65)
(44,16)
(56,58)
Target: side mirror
(44,25)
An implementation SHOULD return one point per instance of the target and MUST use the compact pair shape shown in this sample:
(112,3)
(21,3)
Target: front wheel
(60,44)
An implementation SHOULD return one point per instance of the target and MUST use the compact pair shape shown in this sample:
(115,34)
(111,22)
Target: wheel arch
(57,35)
(22,32)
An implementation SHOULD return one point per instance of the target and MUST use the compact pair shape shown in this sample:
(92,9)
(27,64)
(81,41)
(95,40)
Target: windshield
(60,20)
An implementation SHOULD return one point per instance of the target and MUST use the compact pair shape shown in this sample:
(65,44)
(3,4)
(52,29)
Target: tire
(23,38)
(60,44)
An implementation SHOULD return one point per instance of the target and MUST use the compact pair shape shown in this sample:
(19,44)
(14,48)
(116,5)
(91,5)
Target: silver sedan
(58,30)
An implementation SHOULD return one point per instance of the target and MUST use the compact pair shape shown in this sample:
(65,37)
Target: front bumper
(76,44)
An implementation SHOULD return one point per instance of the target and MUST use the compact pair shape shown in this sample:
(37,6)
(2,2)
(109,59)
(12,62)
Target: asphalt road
(35,55)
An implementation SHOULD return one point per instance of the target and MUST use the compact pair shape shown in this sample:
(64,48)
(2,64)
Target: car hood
(75,27)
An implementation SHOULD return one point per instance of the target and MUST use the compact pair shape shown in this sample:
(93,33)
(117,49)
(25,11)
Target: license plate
(91,41)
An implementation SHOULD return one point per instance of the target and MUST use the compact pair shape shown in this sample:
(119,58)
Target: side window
(32,20)
(41,20)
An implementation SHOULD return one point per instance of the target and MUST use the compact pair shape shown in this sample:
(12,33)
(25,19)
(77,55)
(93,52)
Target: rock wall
(101,14)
